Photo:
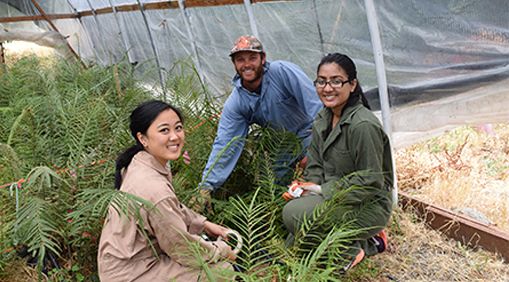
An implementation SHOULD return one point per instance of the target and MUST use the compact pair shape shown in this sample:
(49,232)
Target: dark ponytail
(140,120)
(349,67)
(123,160)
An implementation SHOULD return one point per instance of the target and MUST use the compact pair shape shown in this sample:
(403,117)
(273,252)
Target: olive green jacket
(358,145)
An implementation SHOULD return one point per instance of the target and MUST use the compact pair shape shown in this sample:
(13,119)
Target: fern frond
(312,267)
(10,164)
(7,117)
(42,179)
(38,225)
(22,135)
(92,206)
(254,222)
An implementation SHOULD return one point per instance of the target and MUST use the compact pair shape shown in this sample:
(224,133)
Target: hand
(310,188)
(294,191)
(202,202)
(298,189)
(225,251)
(221,233)
(215,230)
(186,157)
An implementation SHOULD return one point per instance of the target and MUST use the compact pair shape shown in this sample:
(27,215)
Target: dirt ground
(417,253)
(466,171)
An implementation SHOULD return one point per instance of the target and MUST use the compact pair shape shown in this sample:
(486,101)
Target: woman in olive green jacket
(349,148)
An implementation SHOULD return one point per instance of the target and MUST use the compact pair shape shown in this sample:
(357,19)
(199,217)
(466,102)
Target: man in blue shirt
(271,94)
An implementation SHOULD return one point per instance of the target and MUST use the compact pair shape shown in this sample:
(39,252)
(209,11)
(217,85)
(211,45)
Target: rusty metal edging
(463,229)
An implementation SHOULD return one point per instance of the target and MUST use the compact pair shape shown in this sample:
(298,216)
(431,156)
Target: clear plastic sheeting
(486,104)
(43,38)
(447,62)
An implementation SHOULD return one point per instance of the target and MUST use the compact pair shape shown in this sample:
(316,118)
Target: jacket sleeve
(174,236)
(368,148)
(233,125)
(301,87)
(366,145)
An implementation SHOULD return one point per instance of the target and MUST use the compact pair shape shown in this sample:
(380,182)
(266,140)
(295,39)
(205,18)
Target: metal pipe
(319,28)
(250,15)
(101,32)
(154,49)
(122,36)
(94,51)
(382,83)
(182,6)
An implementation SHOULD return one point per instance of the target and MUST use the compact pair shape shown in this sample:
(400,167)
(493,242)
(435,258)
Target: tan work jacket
(124,251)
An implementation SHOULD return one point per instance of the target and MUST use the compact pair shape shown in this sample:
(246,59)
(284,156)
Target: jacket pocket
(338,162)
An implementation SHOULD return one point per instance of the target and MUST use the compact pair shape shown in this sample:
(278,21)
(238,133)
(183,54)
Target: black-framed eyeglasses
(334,83)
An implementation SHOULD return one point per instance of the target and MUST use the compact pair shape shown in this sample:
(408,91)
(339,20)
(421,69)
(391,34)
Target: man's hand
(202,202)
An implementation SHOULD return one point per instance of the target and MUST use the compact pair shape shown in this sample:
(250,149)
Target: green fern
(38,226)
(254,223)
(7,116)
(10,163)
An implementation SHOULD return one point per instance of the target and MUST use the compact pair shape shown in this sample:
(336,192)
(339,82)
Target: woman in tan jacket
(160,248)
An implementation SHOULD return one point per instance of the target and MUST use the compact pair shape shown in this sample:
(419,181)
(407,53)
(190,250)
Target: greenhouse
(435,73)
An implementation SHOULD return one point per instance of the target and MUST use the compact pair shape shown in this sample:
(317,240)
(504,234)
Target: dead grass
(19,271)
(417,253)
(465,170)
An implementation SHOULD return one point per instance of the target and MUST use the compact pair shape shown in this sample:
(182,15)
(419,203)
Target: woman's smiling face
(334,97)
(165,137)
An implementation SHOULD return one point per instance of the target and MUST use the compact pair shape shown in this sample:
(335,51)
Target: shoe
(380,241)
(358,258)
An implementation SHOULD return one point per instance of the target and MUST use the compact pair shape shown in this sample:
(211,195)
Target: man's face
(249,65)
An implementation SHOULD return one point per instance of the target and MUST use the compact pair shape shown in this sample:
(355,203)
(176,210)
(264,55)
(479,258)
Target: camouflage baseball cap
(247,43)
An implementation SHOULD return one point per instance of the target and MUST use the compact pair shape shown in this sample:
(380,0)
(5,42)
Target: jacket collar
(325,119)
(149,160)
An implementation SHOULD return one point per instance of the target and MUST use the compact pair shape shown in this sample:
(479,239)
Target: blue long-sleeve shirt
(288,101)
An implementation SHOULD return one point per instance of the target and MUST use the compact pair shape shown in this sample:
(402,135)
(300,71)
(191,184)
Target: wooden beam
(463,229)
(37,18)
(131,8)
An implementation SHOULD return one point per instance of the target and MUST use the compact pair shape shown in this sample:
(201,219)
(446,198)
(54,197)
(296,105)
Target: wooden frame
(129,8)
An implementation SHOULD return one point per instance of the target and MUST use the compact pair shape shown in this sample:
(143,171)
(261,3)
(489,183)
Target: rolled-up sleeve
(176,237)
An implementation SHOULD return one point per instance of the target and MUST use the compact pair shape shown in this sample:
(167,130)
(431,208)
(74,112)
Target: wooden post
(2,59)
(2,54)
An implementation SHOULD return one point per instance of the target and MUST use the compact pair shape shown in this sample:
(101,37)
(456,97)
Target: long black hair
(349,67)
(140,120)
